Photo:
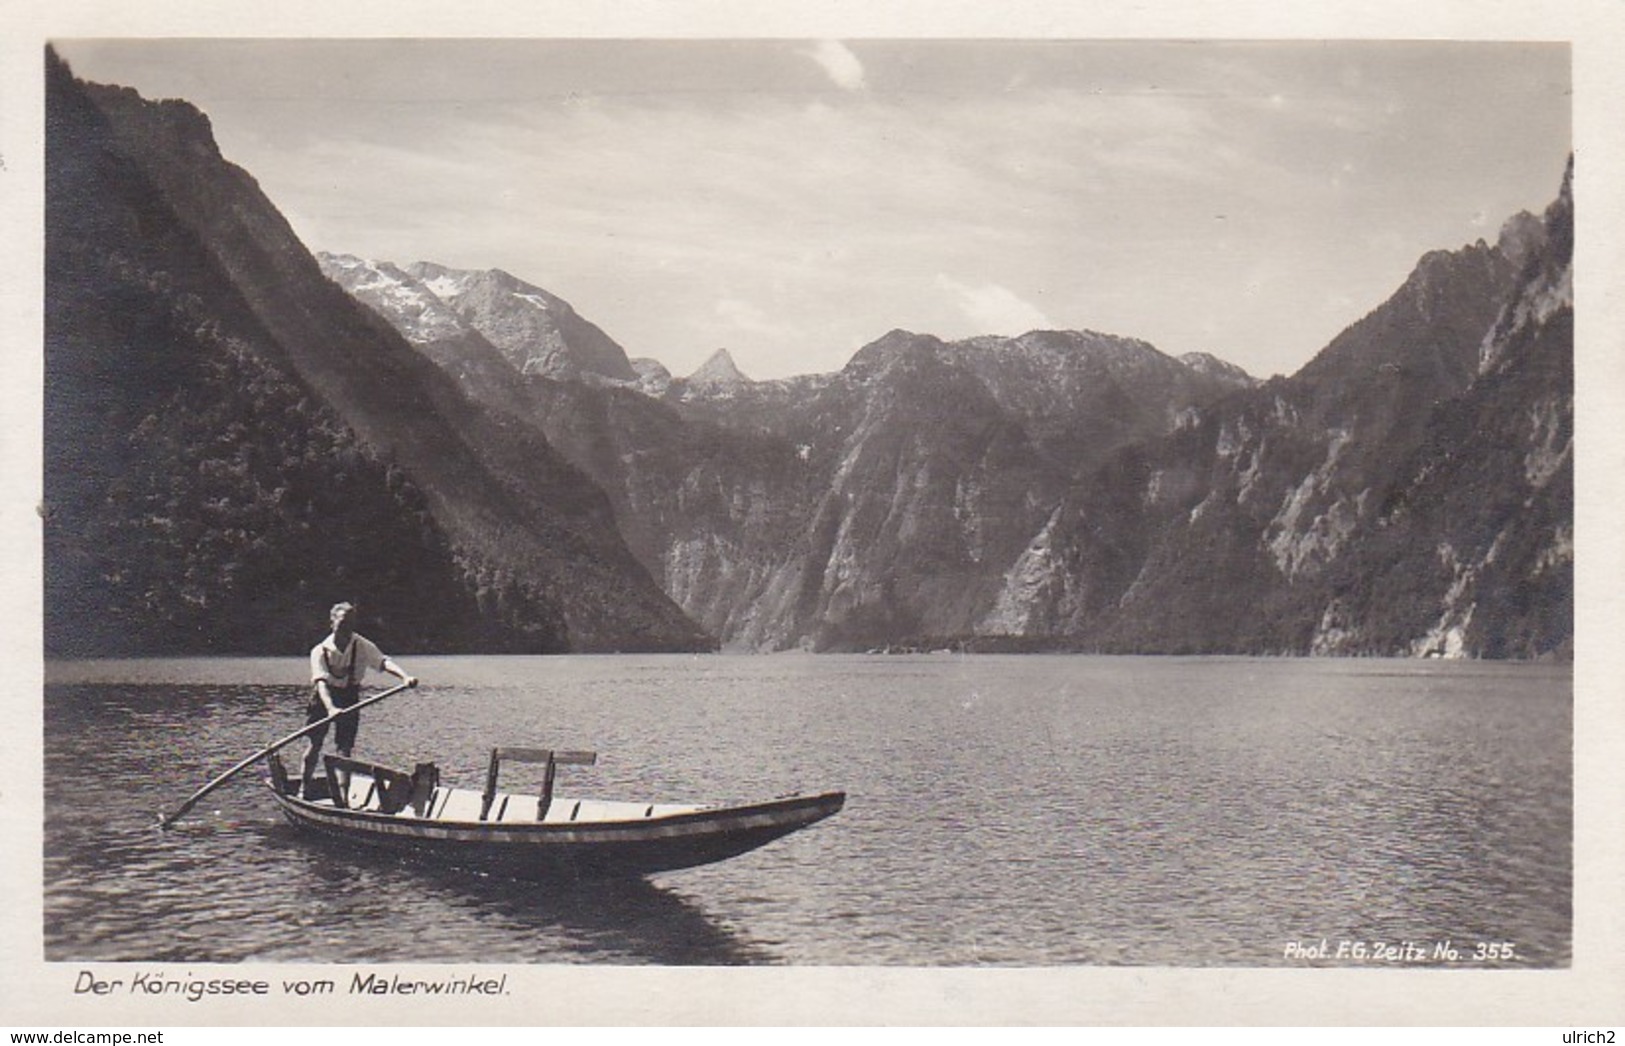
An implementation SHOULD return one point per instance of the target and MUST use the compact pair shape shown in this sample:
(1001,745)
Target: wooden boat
(530,836)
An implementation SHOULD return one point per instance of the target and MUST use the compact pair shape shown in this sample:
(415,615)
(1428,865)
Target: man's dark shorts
(344,735)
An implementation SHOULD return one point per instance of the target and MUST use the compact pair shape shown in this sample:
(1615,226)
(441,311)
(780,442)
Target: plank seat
(380,789)
(455,804)
(514,808)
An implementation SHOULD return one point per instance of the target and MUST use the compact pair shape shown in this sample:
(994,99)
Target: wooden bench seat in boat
(368,786)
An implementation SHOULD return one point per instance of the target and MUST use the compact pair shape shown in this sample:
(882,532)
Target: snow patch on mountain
(415,309)
(536,332)
(445,286)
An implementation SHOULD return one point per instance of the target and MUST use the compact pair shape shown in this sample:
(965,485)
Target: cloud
(743,316)
(995,309)
(838,61)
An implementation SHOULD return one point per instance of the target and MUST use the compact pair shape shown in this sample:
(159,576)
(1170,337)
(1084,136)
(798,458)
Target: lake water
(1013,811)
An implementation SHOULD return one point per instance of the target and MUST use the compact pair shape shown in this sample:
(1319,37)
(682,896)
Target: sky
(792,200)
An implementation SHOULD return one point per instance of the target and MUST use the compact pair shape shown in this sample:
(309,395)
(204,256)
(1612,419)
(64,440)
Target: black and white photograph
(891,510)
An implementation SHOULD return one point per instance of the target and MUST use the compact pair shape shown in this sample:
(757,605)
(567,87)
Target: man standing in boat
(337,666)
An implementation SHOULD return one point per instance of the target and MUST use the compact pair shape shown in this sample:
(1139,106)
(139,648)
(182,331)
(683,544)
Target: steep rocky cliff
(1409,492)
(232,442)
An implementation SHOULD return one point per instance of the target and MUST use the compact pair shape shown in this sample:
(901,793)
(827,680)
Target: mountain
(653,377)
(871,506)
(708,512)
(849,510)
(232,441)
(429,323)
(1081,395)
(1408,492)
(718,374)
(489,329)
(1210,365)
(1084,491)
(1490,488)
(538,332)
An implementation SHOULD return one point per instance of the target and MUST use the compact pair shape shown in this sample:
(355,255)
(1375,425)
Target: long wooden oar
(165,820)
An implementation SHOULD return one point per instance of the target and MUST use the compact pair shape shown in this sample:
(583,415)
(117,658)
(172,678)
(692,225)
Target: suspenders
(349,669)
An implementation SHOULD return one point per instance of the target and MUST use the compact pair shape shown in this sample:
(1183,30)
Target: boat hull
(575,850)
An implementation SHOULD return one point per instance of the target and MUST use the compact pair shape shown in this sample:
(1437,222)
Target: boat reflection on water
(634,920)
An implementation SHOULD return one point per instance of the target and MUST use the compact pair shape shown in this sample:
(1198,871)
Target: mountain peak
(719,370)
(884,352)
(411,304)
(1212,366)
(1521,236)
(536,331)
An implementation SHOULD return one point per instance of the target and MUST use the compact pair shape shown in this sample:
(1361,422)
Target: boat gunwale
(377,824)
